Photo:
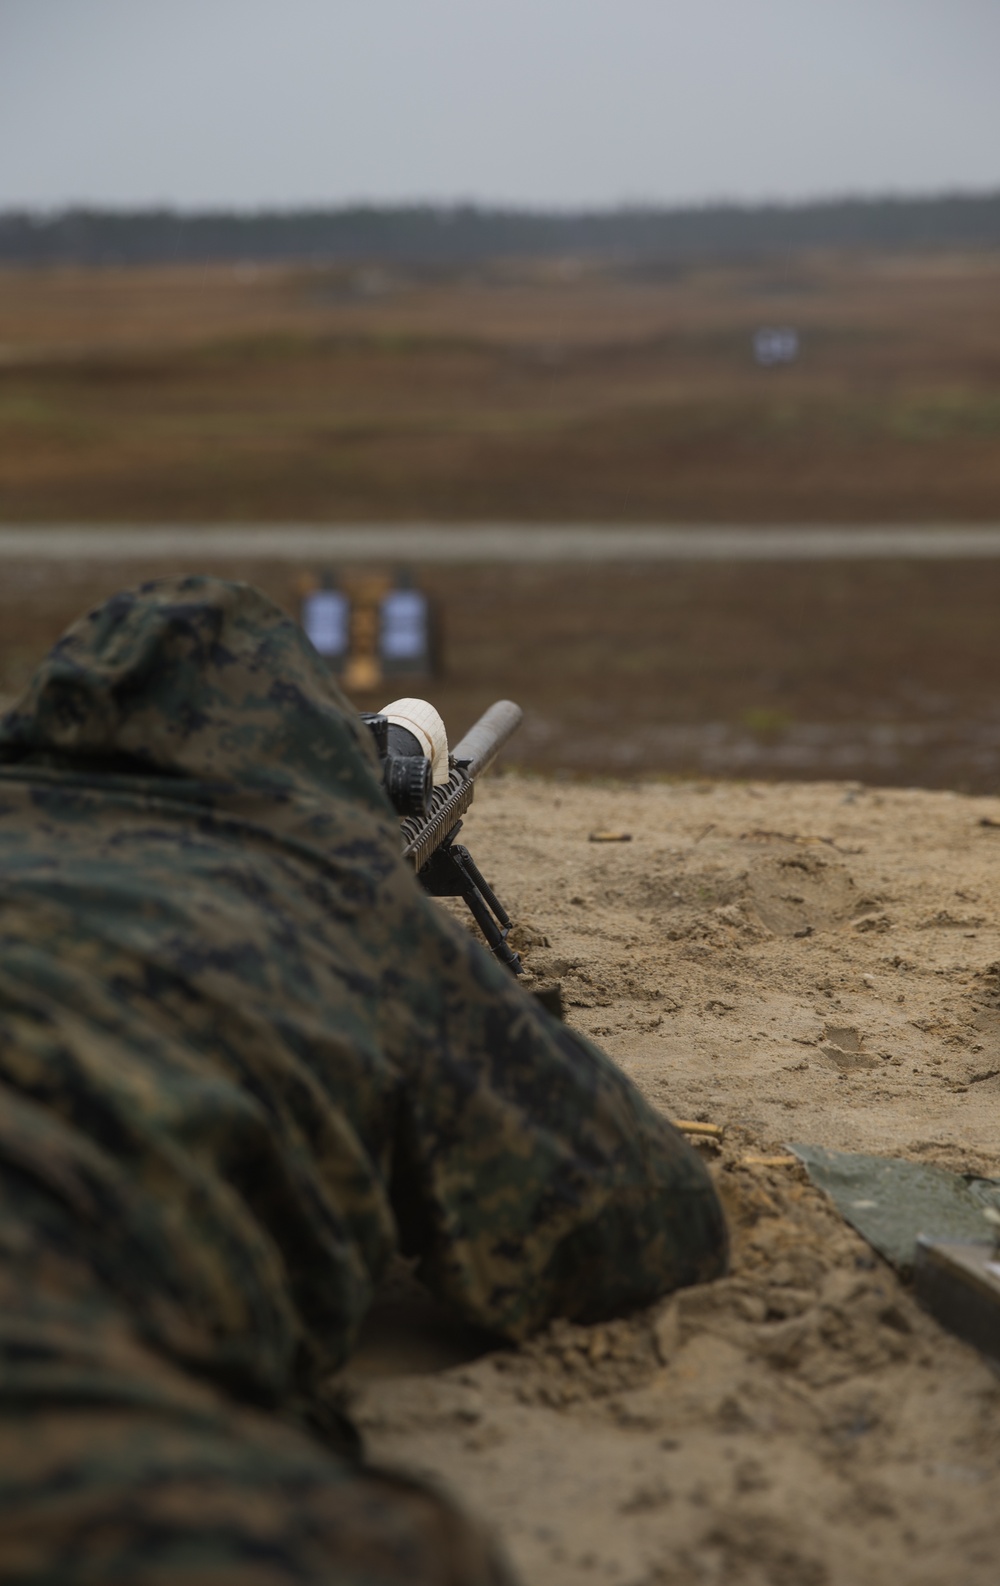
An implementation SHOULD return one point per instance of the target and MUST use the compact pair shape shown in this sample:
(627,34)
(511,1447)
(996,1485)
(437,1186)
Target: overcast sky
(242,103)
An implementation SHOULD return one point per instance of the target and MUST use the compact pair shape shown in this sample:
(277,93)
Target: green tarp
(890,1202)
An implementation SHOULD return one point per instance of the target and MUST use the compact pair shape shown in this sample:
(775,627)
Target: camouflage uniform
(243,1059)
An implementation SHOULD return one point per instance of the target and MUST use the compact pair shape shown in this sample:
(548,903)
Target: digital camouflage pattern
(243,1058)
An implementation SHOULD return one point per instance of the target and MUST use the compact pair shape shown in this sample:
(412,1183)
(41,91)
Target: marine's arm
(530,1175)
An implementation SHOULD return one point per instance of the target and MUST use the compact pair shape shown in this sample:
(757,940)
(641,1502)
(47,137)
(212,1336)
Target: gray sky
(565,102)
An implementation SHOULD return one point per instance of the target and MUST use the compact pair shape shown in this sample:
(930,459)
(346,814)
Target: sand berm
(815,963)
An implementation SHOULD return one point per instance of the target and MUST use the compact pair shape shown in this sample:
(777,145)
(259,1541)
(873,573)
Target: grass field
(553,393)
(886,672)
(543,392)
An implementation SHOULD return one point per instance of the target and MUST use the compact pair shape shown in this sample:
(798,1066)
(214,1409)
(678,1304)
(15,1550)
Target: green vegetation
(462,234)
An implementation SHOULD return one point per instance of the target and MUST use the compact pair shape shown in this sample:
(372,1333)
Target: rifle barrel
(483,741)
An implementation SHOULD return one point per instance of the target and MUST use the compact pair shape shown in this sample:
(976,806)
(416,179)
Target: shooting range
(611,395)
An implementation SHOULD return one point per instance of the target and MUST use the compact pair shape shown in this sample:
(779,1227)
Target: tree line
(466,233)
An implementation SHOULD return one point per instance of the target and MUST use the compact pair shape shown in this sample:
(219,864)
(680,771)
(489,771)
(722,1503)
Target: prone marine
(244,1059)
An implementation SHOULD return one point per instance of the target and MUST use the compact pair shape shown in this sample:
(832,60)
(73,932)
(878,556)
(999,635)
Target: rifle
(431,816)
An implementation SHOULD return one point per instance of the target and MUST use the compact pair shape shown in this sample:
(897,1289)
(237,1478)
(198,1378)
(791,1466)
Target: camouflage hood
(199,678)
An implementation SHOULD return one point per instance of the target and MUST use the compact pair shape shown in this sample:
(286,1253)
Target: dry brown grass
(560,393)
(883,671)
(535,393)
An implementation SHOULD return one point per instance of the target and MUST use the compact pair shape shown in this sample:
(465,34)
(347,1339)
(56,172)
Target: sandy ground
(796,963)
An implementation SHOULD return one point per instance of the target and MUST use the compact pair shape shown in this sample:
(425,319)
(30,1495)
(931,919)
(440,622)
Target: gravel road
(471,543)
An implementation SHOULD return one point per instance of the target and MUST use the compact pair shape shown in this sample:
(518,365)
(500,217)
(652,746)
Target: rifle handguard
(471,756)
(446,806)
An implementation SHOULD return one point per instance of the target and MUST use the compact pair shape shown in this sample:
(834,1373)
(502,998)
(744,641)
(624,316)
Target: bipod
(451,872)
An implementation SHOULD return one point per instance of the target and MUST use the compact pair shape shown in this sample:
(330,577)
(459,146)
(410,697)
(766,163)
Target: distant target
(405,642)
(775,344)
(372,627)
(326,618)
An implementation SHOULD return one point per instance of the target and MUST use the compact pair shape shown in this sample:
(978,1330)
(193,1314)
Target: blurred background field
(883,671)
(541,389)
(547,390)
(459,266)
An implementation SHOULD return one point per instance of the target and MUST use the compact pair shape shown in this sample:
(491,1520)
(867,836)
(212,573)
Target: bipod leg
(451,872)
(490,898)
